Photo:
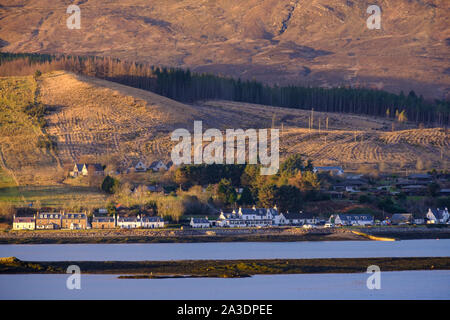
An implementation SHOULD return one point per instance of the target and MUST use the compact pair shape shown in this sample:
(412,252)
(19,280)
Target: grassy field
(6,181)
(57,196)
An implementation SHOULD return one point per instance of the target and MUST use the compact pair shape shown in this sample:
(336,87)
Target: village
(344,187)
(241,218)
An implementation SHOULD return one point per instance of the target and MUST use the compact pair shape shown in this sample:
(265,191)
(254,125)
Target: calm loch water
(394,285)
(433,285)
(230,250)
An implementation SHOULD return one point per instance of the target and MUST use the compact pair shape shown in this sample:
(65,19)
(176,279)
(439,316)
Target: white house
(200,223)
(335,170)
(251,217)
(140,222)
(158,165)
(140,167)
(85,169)
(292,218)
(128,222)
(152,222)
(296,218)
(79,169)
(351,219)
(24,223)
(232,220)
(437,216)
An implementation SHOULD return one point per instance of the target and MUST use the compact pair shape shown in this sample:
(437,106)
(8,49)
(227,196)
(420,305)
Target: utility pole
(327,123)
(312,118)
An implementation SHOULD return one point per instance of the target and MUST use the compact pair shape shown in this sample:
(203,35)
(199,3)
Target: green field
(60,196)
(6,181)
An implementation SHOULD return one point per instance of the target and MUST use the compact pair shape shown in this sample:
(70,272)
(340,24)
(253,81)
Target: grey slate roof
(102,219)
(355,217)
(74,216)
(293,215)
(438,213)
(152,219)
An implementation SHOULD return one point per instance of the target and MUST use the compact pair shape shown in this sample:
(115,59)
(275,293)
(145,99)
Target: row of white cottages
(261,217)
(77,221)
(143,222)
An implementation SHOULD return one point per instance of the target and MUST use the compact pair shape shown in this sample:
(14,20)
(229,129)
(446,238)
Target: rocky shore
(275,234)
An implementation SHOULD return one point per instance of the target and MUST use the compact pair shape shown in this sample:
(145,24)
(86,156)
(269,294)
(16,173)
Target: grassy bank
(226,268)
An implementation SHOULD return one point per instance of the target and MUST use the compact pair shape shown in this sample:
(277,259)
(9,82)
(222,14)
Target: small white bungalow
(290,218)
(152,222)
(351,219)
(128,222)
(335,170)
(200,223)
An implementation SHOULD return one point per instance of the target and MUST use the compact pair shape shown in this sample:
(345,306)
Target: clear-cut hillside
(110,123)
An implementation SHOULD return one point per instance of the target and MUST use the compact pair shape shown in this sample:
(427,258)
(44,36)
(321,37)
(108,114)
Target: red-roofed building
(24,223)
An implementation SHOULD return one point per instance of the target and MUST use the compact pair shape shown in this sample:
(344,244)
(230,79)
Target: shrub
(46,142)
(110,185)
(37,74)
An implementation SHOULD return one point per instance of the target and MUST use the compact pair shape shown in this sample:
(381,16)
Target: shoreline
(274,234)
(224,268)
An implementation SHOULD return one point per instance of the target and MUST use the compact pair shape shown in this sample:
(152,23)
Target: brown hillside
(322,42)
(111,123)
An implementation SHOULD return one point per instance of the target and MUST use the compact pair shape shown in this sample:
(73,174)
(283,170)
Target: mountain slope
(322,42)
(91,119)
